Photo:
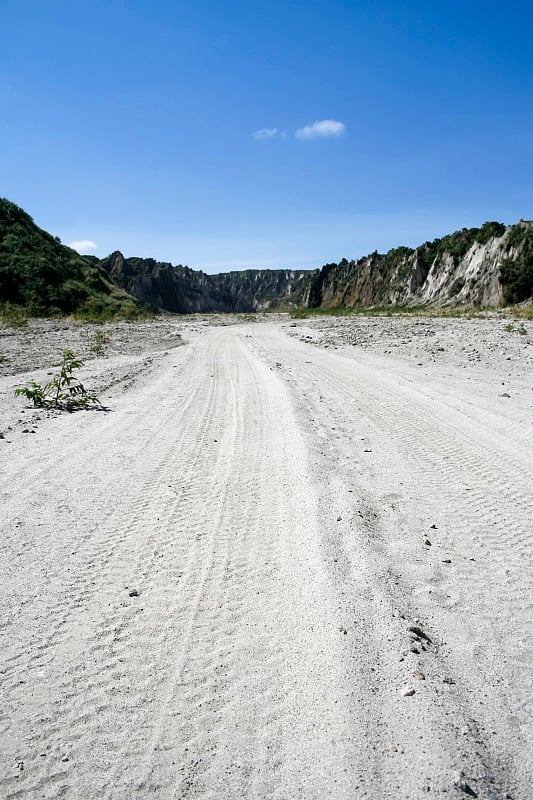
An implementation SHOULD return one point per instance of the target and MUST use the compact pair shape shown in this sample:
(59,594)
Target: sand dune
(280,565)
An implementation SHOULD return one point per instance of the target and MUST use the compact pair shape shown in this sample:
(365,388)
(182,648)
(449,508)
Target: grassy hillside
(46,278)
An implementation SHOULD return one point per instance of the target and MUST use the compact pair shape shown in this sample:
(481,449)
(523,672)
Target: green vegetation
(516,274)
(459,243)
(517,234)
(391,272)
(100,341)
(467,312)
(512,328)
(41,277)
(63,391)
(13,316)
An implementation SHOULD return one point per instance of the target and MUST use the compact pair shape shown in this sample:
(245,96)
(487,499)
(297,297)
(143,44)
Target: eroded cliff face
(183,290)
(486,266)
(490,265)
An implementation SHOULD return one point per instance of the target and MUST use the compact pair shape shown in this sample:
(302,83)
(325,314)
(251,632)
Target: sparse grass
(12,316)
(101,311)
(521,312)
(100,341)
(382,311)
(457,312)
(512,328)
(63,391)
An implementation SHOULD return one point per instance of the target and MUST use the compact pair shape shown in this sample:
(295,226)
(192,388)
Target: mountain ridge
(487,266)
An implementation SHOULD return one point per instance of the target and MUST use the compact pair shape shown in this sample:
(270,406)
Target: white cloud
(321,129)
(265,133)
(83,245)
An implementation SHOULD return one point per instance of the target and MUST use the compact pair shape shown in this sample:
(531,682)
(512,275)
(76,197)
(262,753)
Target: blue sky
(134,124)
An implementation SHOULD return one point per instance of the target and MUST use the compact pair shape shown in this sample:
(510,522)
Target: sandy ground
(289,560)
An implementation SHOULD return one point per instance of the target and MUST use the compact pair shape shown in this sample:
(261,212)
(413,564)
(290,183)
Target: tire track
(200,684)
(397,460)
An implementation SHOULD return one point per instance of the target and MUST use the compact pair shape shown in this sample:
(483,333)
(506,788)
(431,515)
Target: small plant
(63,391)
(4,359)
(511,328)
(101,339)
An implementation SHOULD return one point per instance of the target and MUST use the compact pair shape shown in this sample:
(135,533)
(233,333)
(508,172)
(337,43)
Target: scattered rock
(466,788)
(446,561)
(133,593)
(65,758)
(419,676)
(505,394)
(409,691)
(418,632)
(339,519)
(426,541)
(434,527)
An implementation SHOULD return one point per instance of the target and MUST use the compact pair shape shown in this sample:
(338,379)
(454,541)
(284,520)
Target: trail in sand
(269,571)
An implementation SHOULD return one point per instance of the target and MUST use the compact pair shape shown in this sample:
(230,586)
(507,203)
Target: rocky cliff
(490,265)
(183,290)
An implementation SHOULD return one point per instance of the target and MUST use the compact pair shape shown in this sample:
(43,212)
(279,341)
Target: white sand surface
(288,560)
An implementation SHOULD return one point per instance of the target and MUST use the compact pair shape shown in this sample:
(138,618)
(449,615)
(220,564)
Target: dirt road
(270,570)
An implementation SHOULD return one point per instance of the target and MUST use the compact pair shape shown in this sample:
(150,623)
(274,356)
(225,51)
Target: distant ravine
(487,266)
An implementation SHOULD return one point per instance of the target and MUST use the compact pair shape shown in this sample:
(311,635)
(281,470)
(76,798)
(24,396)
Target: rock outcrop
(183,290)
(491,265)
(484,266)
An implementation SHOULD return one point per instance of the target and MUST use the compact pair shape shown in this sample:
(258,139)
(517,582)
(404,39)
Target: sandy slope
(308,534)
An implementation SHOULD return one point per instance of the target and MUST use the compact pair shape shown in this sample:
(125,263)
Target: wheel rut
(171,646)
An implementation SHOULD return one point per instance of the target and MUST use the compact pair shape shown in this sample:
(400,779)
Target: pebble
(65,758)
(418,632)
(419,675)
(133,593)
(426,541)
(408,691)
(467,789)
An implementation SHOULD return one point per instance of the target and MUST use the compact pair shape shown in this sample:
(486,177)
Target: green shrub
(63,391)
